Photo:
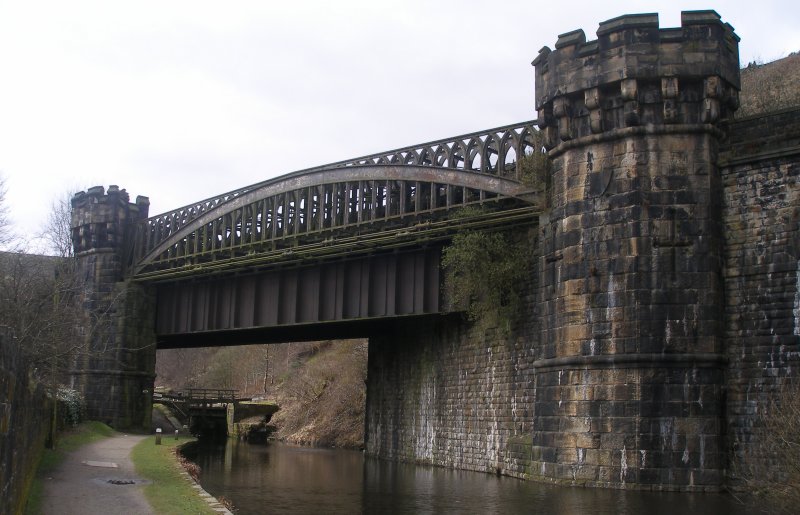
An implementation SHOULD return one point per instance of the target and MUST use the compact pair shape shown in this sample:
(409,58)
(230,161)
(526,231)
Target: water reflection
(279,478)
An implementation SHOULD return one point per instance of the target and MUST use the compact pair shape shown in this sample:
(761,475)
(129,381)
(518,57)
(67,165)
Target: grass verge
(84,433)
(169,493)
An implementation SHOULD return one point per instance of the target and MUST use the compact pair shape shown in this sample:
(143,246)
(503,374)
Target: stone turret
(630,373)
(638,75)
(100,218)
(115,373)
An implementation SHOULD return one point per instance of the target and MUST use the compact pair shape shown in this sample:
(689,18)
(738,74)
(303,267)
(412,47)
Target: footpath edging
(212,501)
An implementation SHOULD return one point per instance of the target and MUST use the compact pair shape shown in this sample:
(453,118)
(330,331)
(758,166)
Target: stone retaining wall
(445,393)
(445,396)
(24,422)
(761,176)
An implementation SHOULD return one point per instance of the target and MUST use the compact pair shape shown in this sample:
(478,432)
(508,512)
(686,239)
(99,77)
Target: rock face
(631,367)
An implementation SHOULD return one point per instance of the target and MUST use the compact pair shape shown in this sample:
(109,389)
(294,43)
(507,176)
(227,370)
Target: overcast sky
(180,101)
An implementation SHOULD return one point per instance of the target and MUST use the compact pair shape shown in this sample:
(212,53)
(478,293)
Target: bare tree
(40,295)
(770,464)
(57,231)
(6,235)
(39,302)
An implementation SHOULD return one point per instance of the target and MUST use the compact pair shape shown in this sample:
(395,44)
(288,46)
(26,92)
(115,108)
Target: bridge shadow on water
(279,478)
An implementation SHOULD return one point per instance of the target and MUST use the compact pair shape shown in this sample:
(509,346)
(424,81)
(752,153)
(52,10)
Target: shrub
(484,273)
(72,404)
(770,465)
(535,167)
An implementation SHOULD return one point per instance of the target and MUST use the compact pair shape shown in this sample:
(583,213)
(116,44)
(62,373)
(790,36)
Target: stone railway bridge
(662,310)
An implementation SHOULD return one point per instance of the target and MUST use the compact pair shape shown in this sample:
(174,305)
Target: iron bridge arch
(388,200)
(336,250)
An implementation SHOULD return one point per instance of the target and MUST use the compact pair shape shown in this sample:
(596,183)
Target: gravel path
(87,483)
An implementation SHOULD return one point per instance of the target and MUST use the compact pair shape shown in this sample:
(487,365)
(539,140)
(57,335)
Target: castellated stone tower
(630,375)
(116,373)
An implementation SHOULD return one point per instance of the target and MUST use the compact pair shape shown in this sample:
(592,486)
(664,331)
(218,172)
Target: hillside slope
(770,87)
(319,385)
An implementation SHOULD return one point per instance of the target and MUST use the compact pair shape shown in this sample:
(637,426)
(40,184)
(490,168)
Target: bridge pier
(116,369)
(630,373)
(443,393)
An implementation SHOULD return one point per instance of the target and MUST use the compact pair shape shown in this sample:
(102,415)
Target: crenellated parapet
(636,74)
(100,218)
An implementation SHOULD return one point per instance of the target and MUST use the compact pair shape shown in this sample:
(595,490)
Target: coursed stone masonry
(444,394)
(116,375)
(630,368)
(760,168)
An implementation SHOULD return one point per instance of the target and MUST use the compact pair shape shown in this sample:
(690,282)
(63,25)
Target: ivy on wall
(485,272)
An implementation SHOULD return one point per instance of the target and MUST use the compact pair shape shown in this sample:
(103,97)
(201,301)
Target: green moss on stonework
(520,447)
(485,272)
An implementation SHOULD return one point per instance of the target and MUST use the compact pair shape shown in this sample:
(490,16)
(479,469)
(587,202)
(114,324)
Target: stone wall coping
(575,37)
(126,373)
(702,17)
(725,161)
(630,21)
(99,194)
(767,114)
(640,21)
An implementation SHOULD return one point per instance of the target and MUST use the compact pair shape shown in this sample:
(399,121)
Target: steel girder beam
(387,285)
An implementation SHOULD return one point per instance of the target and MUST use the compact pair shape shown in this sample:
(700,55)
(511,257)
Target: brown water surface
(278,478)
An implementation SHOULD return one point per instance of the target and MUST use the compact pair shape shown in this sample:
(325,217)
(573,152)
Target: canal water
(279,478)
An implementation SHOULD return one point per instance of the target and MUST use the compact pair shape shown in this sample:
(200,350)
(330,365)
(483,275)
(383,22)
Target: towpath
(97,478)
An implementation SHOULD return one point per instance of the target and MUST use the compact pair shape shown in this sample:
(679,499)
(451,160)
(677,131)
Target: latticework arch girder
(316,212)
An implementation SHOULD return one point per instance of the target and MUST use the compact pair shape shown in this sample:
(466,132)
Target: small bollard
(176,434)
(158,436)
